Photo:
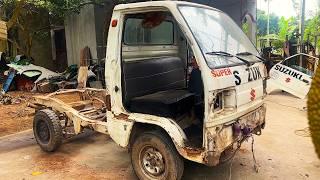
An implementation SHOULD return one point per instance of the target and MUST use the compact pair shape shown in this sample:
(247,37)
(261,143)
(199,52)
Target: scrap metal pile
(6,99)
(21,74)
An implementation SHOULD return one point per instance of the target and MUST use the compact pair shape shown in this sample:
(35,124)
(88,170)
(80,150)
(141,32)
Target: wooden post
(3,36)
(85,55)
(3,30)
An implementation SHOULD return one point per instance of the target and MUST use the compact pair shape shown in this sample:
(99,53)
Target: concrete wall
(103,17)
(41,52)
(41,43)
(88,28)
(249,10)
(80,30)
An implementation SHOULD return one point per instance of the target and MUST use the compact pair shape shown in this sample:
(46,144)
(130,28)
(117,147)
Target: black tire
(47,130)
(148,146)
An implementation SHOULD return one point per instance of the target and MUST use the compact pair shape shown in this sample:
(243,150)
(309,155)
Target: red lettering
(213,73)
(221,72)
(226,72)
(229,71)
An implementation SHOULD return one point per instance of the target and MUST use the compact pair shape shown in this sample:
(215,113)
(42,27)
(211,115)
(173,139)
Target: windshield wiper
(222,53)
(250,54)
(245,61)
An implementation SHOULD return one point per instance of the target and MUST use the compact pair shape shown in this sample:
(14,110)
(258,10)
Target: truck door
(290,77)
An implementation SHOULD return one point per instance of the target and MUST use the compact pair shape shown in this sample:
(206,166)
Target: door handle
(116,88)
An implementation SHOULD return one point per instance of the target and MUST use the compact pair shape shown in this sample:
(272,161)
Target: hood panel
(247,82)
(235,76)
(249,92)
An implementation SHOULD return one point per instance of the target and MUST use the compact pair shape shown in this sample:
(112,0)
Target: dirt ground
(16,117)
(283,151)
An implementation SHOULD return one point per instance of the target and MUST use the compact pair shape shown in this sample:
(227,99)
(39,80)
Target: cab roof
(158,4)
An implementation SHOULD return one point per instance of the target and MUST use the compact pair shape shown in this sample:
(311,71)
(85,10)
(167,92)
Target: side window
(136,34)
(291,61)
(294,63)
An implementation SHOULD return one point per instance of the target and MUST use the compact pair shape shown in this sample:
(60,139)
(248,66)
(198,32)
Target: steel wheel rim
(152,161)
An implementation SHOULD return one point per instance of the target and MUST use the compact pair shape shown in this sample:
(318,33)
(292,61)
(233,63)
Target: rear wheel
(47,130)
(153,156)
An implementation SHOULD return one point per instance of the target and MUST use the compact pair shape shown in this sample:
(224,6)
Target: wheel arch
(139,123)
(178,141)
(139,128)
(136,122)
(167,126)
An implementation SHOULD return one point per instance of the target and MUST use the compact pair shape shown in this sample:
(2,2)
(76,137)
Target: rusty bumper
(223,137)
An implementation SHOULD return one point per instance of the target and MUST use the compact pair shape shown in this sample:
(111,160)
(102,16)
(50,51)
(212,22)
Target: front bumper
(220,138)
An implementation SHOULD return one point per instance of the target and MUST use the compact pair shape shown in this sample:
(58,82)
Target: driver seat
(156,86)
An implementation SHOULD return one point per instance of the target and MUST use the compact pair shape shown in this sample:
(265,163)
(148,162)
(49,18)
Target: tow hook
(238,130)
(257,130)
(246,131)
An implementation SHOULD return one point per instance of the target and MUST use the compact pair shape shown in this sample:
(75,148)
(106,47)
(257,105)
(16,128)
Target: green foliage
(283,27)
(263,21)
(56,8)
(287,27)
(279,28)
(245,27)
(312,29)
(28,19)
(276,42)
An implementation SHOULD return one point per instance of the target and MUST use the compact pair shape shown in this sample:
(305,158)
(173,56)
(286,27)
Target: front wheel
(153,156)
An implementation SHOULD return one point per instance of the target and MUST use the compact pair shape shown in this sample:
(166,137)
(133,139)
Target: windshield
(216,32)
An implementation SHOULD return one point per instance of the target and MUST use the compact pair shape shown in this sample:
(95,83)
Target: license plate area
(253,119)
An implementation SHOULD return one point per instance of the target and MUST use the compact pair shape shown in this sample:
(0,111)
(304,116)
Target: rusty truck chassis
(90,112)
(81,114)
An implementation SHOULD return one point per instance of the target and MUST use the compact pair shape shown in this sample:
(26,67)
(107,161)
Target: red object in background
(23,83)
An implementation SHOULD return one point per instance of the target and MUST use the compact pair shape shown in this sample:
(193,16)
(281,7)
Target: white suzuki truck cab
(183,81)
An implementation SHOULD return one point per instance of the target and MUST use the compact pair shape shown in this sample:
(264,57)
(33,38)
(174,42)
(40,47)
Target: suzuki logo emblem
(288,80)
(253,94)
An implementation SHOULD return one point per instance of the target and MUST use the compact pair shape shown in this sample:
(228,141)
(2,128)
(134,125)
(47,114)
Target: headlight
(229,99)
(218,103)
(225,99)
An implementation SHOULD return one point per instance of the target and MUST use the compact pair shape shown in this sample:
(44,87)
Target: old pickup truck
(183,82)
